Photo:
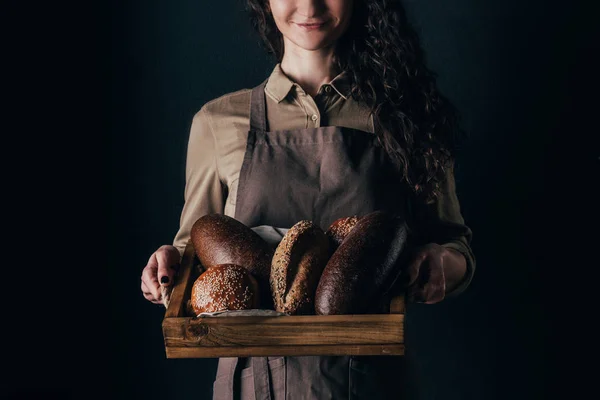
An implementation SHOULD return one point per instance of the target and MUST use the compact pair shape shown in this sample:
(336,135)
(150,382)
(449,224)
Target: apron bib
(319,174)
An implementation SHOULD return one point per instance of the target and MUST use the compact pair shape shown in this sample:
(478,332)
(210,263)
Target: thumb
(168,262)
(413,269)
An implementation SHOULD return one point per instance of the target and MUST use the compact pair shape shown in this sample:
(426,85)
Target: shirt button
(327,89)
(314,117)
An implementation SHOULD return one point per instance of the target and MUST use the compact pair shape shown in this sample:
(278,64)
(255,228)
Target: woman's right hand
(159,272)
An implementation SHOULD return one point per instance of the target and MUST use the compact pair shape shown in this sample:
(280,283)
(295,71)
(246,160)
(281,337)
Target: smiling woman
(349,122)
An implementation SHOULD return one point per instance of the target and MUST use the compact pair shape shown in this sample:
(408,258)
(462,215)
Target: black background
(106,96)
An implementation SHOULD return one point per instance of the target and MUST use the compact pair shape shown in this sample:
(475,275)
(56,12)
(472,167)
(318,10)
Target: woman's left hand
(433,270)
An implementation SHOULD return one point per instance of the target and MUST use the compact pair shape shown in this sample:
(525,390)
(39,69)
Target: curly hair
(416,125)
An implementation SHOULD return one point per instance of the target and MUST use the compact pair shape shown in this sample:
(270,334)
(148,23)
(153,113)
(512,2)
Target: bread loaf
(297,266)
(339,229)
(359,269)
(220,239)
(224,287)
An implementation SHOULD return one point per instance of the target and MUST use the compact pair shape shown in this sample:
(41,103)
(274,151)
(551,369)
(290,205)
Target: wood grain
(256,351)
(397,305)
(284,331)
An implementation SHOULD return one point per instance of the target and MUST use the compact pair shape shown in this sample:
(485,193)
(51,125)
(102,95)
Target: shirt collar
(279,85)
(341,84)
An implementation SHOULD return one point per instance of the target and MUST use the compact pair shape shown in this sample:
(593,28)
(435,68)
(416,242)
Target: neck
(308,68)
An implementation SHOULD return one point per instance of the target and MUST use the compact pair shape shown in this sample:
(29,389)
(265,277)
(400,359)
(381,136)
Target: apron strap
(262,384)
(258,111)
(231,367)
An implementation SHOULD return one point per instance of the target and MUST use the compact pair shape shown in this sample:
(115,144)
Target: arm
(204,192)
(443,262)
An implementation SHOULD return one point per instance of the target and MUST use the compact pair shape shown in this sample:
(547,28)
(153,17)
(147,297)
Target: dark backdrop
(513,68)
(523,75)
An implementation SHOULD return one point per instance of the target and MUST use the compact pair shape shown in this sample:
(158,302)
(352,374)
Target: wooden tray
(212,337)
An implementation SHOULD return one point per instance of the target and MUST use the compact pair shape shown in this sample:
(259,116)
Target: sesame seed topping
(223,287)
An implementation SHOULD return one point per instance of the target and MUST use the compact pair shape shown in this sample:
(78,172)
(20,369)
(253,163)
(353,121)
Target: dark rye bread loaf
(224,287)
(358,271)
(220,239)
(296,268)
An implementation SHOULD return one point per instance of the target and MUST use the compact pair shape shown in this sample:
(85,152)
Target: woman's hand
(433,272)
(161,267)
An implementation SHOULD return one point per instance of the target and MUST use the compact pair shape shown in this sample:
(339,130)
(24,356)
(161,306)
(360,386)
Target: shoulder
(221,121)
(229,106)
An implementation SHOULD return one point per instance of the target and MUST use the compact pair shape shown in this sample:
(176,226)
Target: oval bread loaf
(220,239)
(358,270)
(297,266)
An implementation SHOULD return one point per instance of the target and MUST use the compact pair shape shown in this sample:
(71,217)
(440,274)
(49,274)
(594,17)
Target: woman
(349,121)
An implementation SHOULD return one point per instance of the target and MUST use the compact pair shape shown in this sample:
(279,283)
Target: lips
(312,25)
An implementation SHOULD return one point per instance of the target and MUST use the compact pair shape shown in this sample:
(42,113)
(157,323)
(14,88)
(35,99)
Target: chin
(314,43)
(313,46)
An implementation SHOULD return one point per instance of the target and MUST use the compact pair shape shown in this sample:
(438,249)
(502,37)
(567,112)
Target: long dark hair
(414,122)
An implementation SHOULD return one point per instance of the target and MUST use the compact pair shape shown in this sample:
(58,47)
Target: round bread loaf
(359,270)
(297,266)
(339,229)
(220,239)
(224,287)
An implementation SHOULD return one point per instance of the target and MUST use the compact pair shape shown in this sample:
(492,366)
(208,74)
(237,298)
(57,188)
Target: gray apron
(320,174)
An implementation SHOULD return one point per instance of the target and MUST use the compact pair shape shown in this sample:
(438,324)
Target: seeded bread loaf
(224,287)
(339,229)
(296,268)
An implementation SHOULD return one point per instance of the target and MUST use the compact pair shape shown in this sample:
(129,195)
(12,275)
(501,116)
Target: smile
(310,27)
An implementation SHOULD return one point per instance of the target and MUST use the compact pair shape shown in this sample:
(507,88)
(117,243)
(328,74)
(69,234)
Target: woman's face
(311,24)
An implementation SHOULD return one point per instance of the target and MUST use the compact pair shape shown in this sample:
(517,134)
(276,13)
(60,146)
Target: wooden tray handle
(397,305)
(182,284)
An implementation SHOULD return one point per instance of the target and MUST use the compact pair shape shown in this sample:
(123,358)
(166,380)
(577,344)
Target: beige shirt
(217,144)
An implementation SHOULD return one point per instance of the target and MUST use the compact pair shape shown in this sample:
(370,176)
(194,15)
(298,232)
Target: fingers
(159,272)
(413,268)
(149,277)
(168,264)
(148,295)
(436,290)
(430,285)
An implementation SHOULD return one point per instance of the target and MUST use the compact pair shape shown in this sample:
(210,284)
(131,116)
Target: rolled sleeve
(441,222)
(203,187)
